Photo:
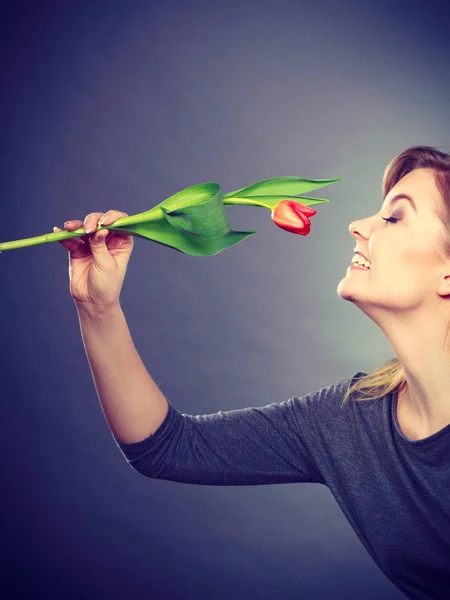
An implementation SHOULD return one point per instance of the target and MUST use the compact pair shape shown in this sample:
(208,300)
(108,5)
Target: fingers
(90,224)
(92,221)
(72,245)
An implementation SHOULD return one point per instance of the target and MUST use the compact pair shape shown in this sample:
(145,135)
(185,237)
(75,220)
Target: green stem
(154,214)
(57,236)
(245,202)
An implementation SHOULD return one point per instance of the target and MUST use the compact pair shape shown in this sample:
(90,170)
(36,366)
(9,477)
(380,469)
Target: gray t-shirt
(395,492)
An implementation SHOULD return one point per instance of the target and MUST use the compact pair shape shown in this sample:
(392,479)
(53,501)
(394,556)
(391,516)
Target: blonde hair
(391,376)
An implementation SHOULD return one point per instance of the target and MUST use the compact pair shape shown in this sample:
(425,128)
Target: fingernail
(67,223)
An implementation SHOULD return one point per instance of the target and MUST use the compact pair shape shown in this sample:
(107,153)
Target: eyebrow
(405,197)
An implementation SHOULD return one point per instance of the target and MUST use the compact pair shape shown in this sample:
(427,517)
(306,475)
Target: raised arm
(251,446)
(133,405)
(277,443)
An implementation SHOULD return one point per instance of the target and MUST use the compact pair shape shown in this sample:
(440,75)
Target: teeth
(357,259)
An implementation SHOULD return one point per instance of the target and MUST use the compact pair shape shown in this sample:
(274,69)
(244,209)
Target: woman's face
(406,264)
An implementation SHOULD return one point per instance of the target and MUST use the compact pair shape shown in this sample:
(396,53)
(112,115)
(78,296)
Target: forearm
(132,403)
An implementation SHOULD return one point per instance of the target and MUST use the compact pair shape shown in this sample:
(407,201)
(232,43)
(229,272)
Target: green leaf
(193,195)
(164,233)
(282,185)
(204,215)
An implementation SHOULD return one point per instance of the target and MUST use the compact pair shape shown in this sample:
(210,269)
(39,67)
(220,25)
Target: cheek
(422,260)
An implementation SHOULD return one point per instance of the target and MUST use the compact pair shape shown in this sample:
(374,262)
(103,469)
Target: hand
(97,261)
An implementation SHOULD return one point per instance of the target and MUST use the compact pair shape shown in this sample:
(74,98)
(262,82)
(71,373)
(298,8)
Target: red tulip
(293,216)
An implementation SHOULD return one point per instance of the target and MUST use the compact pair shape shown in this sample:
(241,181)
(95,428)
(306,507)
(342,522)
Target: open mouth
(361,261)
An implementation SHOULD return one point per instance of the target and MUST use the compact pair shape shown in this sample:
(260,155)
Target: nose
(356,228)
(353,229)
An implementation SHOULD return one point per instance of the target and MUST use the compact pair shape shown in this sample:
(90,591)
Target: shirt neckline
(403,437)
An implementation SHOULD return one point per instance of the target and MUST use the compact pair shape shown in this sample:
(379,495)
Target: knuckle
(113,214)
(118,212)
(98,217)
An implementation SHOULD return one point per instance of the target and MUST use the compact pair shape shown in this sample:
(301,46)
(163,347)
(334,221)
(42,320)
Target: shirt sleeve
(277,443)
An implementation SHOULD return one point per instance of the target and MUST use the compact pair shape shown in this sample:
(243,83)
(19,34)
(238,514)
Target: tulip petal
(293,217)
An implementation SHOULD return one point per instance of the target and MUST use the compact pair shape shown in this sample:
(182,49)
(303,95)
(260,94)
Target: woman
(379,441)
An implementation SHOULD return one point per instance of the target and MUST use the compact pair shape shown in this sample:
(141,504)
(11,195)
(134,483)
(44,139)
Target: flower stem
(42,239)
(46,238)
(244,202)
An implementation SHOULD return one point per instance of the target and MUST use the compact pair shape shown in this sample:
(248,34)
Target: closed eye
(390,219)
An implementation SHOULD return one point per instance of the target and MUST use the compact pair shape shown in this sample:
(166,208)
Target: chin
(343,291)
(347,297)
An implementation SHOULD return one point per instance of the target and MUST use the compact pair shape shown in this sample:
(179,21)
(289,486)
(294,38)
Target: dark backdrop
(118,105)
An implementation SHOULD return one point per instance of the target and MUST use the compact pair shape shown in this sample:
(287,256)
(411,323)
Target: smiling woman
(391,376)
(386,463)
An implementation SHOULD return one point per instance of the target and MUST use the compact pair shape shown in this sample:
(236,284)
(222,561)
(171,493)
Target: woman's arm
(250,446)
(133,405)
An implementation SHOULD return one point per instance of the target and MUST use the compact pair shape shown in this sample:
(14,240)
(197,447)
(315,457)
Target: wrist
(97,310)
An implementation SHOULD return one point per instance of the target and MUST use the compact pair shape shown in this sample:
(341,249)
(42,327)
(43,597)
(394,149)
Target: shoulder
(358,375)
(328,399)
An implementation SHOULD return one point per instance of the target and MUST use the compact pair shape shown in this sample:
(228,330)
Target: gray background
(118,105)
